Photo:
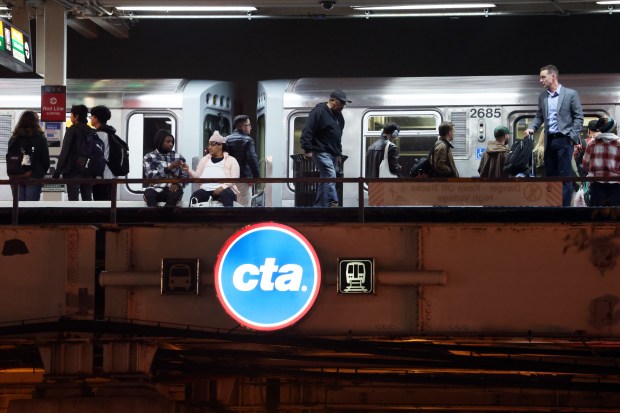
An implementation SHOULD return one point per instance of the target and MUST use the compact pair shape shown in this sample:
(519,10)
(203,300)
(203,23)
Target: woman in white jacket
(218,164)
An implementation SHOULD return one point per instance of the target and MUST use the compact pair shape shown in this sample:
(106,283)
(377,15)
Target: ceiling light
(3,7)
(603,3)
(189,8)
(428,6)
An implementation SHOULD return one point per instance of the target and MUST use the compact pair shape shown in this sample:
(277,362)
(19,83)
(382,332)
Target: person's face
(450,135)
(215,149)
(338,105)
(247,127)
(547,79)
(168,144)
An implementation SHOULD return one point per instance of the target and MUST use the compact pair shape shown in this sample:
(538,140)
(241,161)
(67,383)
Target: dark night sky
(246,51)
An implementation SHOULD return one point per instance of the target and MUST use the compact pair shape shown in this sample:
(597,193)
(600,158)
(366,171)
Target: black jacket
(323,131)
(68,159)
(36,146)
(241,147)
(374,156)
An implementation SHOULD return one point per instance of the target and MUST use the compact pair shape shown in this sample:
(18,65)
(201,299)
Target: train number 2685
(485,112)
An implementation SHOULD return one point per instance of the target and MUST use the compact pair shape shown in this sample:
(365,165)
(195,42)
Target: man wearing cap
(217,164)
(321,140)
(580,149)
(494,158)
(602,160)
(164,163)
(376,152)
(560,110)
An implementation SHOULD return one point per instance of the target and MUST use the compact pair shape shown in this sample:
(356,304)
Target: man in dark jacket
(321,141)
(376,152)
(241,147)
(494,158)
(68,163)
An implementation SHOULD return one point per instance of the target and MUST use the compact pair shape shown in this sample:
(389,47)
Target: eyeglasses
(215,143)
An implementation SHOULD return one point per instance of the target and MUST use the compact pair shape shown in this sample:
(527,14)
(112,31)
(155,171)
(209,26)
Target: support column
(54,43)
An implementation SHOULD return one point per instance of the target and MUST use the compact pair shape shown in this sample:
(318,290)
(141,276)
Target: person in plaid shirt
(602,160)
(164,163)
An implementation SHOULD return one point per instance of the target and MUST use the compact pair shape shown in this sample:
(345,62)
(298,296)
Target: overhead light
(3,8)
(436,6)
(604,3)
(189,8)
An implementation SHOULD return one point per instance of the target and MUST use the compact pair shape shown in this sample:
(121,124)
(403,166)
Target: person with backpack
(494,158)
(443,162)
(29,151)
(73,163)
(99,117)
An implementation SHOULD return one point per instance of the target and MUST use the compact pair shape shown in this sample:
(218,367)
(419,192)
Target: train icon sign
(267,276)
(356,276)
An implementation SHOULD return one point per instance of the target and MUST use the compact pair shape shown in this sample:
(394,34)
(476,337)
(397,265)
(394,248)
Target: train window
(523,122)
(211,124)
(5,133)
(418,132)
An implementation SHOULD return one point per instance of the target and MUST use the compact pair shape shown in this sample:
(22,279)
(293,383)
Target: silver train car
(476,105)
(190,109)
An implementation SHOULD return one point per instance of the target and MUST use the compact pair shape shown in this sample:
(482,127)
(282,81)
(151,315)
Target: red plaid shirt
(602,157)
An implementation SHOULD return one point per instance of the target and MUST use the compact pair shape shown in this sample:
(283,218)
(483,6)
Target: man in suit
(560,110)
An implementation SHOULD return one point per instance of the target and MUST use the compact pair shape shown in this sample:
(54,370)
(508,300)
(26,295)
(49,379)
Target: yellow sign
(454,193)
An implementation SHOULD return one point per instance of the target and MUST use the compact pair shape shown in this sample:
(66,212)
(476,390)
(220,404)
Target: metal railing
(361,183)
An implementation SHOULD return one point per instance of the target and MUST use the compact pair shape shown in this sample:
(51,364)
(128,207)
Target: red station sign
(53,103)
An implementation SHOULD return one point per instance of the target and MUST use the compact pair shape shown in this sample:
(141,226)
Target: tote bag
(384,166)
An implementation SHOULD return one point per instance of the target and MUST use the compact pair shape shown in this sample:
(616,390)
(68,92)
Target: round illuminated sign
(267,276)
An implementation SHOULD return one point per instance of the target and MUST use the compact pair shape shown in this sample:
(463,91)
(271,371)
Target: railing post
(113,192)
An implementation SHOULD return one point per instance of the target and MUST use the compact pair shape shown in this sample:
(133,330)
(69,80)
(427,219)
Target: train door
(520,121)
(418,133)
(141,129)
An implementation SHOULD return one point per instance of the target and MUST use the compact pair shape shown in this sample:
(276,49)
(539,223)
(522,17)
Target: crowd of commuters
(559,153)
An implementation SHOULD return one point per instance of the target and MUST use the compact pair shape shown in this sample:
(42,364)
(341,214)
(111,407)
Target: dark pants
(226,197)
(152,197)
(558,162)
(102,192)
(30,192)
(75,190)
(602,194)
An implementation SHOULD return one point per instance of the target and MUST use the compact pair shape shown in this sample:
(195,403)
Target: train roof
(114,93)
(447,91)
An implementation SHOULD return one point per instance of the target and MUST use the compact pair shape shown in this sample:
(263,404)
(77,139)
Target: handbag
(384,166)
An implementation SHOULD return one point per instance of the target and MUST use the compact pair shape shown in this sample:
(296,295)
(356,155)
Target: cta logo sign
(267,276)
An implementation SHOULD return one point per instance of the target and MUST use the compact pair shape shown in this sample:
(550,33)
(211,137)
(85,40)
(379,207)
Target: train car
(476,105)
(190,109)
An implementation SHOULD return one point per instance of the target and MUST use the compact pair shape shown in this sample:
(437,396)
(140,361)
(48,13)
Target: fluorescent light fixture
(436,6)
(243,9)
(604,3)
(3,7)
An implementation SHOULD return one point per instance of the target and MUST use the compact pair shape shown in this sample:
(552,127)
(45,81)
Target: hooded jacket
(323,131)
(493,160)
(68,159)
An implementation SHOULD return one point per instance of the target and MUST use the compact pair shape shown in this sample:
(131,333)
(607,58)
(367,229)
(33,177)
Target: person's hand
(528,132)
(174,187)
(217,191)
(185,167)
(175,164)
(308,155)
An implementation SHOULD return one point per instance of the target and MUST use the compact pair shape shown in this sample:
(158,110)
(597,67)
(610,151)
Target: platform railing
(361,183)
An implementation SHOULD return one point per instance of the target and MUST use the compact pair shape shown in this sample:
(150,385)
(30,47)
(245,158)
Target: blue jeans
(327,166)
(558,158)
(30,192)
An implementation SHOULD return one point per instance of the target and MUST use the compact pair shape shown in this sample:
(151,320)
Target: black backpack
(91,156)
(15,164)
(118,157)
(519,158)
(424,167)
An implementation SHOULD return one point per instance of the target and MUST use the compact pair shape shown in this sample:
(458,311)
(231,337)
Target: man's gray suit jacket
(570,113)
